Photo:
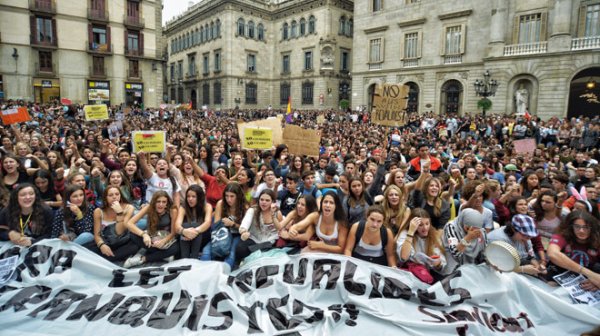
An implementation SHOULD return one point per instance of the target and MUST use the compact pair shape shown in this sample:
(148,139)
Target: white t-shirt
(156,183)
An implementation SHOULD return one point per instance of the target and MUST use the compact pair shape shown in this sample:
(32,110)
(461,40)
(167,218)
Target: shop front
(98,92)
(134,94)
(46,90)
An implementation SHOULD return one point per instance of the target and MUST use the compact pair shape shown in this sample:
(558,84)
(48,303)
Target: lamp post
(485,88)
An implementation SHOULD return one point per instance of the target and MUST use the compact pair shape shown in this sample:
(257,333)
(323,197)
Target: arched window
(451,97)
(241,30)
(218,25)
(207,33)
(201,34)
(342,26)
(209,30)
(285,31)
(196,39)
(187,40)
(413,98)
(213,29)
(261,32)
(179,43)
(251,29)
(172,46)
(312,22)
(294,30)
(302,27)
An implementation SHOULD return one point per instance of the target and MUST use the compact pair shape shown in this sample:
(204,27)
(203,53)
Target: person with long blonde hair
(394,208)
(429,197)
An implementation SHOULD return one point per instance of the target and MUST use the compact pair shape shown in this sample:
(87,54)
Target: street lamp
(485,88)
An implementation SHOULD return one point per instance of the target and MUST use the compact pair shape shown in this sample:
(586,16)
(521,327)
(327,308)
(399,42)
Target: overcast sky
(174,7)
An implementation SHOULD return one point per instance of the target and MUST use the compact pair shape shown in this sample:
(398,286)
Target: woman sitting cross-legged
(160,237)
(74,221)
(370,240)
(305,206)
(193,221)
(111,238)
(259,226)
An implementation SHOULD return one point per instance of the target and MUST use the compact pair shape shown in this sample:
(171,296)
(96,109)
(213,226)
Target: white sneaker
(136,260)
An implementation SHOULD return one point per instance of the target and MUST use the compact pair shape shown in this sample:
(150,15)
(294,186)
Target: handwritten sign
(257,138)
(524,146)
(15,115)
(149,141)
(389,105)
(274,124)
(301,141)
(95,112)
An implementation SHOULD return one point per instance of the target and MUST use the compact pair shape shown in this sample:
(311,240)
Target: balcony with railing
(95,48)
(43,6)
(452,59)
(135,74)
(583,43)
(45,71)
(50,42)
(133,21)
(96,72)
(526,48)
(134,52)
(99,15)
(410,63)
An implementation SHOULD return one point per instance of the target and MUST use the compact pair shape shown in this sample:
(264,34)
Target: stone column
(498,24)
(560,38)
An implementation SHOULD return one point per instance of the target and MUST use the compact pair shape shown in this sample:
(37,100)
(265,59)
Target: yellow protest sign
(389,105)
(301,141)
(274,124)
(149,141)
(95,112)
(257,138)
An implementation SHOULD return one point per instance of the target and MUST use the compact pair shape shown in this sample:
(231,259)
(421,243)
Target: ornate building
(90,51)
(544,54)
(257,53)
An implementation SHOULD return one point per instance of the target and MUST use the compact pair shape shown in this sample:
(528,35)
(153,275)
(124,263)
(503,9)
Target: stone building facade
(89,51)
(544,54)
(257,53)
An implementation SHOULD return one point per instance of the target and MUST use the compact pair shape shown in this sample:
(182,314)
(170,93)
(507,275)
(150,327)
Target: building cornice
(455,15)
(376,29)
(412,22)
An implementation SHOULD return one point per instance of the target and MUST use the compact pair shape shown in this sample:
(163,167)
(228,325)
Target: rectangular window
(308,60)
(44,30)
(345,61)
(97,9)
(453,41)
(133,42)
(45,61)
(217,61)
(134,69)
(377,5)
(284,93)
(206,94)
(592,20)
(285,64)
(99,39)
(172,72)
(251,62)
(180,69)
(192,65)
(133,9)
(205,64)
(251,91)
(376,50)
(307,93)
(98,66)
(411,45)
(530,28)
(217,93)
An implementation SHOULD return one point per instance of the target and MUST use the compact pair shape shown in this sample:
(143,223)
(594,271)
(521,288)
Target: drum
(503,256)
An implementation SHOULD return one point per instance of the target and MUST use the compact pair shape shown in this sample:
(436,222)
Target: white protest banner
(524,146)
(61,288)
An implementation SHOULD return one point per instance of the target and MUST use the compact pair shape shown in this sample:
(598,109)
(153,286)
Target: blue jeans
(84,238)
(207,255)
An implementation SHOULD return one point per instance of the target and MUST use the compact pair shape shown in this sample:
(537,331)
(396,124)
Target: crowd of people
(426,197)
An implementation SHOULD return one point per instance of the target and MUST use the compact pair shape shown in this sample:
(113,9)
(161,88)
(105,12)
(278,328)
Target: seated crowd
(427,207)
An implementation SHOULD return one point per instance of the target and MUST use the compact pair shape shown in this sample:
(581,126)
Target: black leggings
(192,248)
(244,248)
(152,253)
(121,253)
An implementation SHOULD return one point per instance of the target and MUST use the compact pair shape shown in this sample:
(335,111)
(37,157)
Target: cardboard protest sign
(15,115)
(63,288)
(389,105)
(149,141)
(95,112)
(301,141)
(524,146)
(257,138)
(271,123)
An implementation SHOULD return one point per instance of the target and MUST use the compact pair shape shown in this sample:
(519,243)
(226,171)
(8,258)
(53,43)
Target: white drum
(503,256)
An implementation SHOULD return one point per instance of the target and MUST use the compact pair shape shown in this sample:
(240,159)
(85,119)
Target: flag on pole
(288,113)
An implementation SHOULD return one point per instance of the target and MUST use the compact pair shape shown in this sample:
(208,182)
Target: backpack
(313,192)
